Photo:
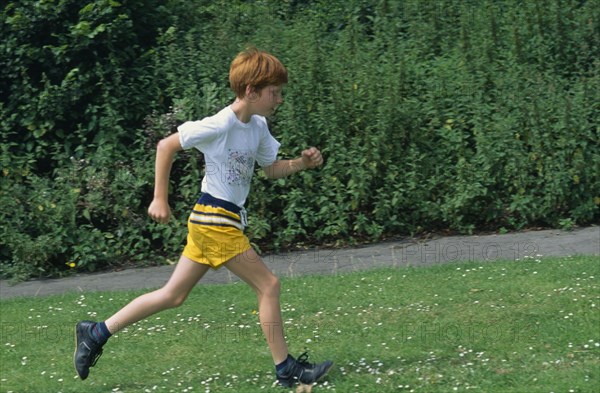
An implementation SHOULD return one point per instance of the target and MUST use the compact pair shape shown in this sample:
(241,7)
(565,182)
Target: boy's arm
(159,209)
(310,158)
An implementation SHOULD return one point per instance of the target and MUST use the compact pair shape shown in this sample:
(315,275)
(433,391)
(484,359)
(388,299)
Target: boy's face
(268,99)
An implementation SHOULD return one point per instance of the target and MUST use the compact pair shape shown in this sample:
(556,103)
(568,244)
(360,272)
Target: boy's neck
(242,111)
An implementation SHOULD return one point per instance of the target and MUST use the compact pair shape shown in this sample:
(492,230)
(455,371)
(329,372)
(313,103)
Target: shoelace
(303,360)
(96,357)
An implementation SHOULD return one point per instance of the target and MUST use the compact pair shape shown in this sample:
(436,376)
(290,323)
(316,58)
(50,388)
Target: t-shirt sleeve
(267,148)
(200,133)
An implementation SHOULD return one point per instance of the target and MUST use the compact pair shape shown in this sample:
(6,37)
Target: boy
(232,141)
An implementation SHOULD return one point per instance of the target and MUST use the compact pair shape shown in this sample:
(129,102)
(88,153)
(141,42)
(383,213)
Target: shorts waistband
(207,199)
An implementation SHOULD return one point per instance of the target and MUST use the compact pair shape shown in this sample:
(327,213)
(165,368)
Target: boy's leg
(88,347)
(249,267)
(185,276)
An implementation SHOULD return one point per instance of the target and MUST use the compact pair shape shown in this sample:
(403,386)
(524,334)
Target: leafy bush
(444,115)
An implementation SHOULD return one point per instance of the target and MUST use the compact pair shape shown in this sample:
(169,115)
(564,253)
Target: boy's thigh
(250,267)
(186,274)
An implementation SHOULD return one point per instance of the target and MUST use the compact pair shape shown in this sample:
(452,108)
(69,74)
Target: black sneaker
(299,370)
(87,350)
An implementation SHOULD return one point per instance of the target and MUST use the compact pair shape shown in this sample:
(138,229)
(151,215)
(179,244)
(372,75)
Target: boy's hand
(159,211)
(312,158)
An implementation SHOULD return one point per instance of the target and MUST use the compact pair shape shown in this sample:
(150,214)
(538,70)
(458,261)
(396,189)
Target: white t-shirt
(230,150)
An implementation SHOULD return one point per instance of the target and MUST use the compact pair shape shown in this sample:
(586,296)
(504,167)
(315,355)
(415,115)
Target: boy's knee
(172,299)
(273,286)
(177,301)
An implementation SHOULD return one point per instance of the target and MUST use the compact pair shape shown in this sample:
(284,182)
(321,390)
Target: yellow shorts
(215,234)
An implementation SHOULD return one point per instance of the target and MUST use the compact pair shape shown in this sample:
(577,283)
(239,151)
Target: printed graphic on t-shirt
(240,167)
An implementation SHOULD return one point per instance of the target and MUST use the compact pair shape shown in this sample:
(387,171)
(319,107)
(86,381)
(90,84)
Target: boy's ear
(252,93)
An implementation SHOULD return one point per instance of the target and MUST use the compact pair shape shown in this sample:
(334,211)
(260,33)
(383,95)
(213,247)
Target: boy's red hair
(255,68)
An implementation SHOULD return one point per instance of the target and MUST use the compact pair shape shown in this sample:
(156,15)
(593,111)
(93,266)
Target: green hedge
(432,115)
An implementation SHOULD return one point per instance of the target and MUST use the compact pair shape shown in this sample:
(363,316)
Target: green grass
(520,326)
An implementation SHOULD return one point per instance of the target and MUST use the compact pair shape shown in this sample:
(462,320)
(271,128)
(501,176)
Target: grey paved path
(408,252)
